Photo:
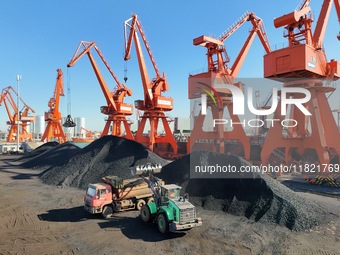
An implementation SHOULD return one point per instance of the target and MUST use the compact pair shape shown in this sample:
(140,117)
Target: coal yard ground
(42,211)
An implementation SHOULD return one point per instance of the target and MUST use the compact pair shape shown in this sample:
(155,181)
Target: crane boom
(154,104)
(216,46)
(320,29)
(53,116)
(258,28)
(135,22)
(152,89)
(304,62)
(219,72)
(24,117)
(87,46)
(234,26)
(303,4)
(337,8)
(116,109)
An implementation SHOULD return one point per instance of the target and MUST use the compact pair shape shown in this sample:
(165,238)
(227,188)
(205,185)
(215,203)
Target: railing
(235,25)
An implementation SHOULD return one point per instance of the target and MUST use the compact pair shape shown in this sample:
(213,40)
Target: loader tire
(162,223)
(145,213)
(107,211)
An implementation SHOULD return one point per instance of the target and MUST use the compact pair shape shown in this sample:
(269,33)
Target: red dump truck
(115,194)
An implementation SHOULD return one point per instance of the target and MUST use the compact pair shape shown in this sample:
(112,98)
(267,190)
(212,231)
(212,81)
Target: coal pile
(257,197)
(50,154)
(109,155)
(38,151)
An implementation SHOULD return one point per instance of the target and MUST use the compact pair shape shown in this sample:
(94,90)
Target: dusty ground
(42,219)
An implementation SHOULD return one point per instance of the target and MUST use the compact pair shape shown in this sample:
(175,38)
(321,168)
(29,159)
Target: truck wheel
(145,213)
(139,204)
(107,211)
(151,200)
(162,223)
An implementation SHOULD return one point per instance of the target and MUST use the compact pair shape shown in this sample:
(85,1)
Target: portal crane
(315,138)
(53,117)
(116,109)
(219,72)
(154,104)
(88,133)
(24,117)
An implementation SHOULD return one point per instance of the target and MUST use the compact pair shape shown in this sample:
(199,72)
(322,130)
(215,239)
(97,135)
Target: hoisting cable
(69,121)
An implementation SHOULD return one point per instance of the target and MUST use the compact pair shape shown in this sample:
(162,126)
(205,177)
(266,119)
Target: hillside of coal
(257,196)
(37,151)
(50,154)
(109,155)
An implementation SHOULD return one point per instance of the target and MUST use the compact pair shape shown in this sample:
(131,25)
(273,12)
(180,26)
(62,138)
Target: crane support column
(303,64)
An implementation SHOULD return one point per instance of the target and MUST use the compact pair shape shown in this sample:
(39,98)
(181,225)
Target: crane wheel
(145,213)
(139,204)
(162,223)
(107,212)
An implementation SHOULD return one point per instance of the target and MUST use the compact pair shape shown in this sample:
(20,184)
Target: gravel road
(46,219)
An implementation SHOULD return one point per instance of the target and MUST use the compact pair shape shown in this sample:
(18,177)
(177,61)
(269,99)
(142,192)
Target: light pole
(18,119)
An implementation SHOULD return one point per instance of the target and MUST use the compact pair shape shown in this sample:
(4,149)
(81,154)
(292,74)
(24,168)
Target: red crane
(53,117)
(24,118)
(154,104)
(116,109)
(315,139)
(219,72)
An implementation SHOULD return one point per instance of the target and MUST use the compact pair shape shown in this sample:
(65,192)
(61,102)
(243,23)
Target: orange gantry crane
(315,138)
(219,72)
(53,117)
(24,118)
(154,104)
(116,109)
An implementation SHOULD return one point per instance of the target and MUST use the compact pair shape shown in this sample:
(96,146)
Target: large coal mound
(109,155)
(38,151)
(50,154)
(257,197)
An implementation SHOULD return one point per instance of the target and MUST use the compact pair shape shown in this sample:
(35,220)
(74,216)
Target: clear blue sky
(39,36)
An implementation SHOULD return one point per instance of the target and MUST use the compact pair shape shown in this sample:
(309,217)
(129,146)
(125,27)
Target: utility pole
(338,112)
(18,117)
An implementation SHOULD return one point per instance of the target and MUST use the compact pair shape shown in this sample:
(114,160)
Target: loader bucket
(146,170)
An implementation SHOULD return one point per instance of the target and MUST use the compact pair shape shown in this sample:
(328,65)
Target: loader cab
(170,191)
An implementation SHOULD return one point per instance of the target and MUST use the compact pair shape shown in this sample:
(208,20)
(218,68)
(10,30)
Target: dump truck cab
(97,196)
(170,210)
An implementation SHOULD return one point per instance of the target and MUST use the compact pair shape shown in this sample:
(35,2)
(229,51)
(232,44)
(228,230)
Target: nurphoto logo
(239,104)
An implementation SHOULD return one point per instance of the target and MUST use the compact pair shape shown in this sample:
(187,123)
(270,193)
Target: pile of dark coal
(109,155)
(257,197)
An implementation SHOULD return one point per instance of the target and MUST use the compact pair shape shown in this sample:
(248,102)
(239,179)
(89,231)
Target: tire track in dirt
(25,234)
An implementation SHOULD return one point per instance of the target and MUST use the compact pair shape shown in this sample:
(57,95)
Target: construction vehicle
(53,116)
(303,64)
(25,119)
(116,109)
(219,72)
(170,210)
(154,104)
(115,194)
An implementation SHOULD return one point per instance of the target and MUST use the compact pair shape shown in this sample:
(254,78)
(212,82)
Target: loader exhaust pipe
(145,170)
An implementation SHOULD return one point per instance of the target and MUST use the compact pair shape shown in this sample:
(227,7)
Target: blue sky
(39,36)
